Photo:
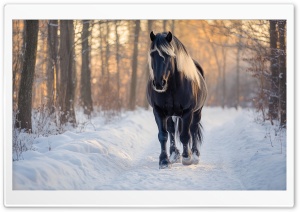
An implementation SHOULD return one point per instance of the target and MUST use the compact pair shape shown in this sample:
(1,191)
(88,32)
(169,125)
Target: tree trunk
(164,25)
(146,104)
(18,56)
(173,26)
(67,82)
(107,56)
(52,63)
(25,92)
(132,100)
(224,78)
(86,94)
(101,50)
(273,99)
(238,74)
(282,72)
(118,63)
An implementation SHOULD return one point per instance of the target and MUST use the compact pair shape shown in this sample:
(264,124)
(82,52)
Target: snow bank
(85,160)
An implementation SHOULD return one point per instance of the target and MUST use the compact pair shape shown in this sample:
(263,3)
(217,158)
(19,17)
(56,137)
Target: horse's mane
(175,48)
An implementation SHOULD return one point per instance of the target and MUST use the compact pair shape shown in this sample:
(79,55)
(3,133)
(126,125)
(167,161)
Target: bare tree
(86,94)
(273,99)
(146,73)
(238,57)
(282,72)
(224,53)
(132,100)
(164,25)
(25,92)
(107,54)
(67,82)
(101,49)
(18,55)
(52,62)
(173,26)
(118,62)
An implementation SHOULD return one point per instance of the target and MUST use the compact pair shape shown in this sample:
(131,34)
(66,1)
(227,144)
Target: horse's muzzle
(159,85)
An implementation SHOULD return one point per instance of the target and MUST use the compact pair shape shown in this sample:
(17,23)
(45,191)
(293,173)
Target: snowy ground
(237,154)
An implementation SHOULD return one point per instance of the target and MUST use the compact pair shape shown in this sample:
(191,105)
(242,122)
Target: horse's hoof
(175,157)
(187,160)
(196,158)
(164,164)
(186,156)
(164,161)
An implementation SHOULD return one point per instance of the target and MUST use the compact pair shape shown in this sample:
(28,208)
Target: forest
(61,67)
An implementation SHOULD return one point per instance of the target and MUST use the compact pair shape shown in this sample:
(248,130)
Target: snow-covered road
(237,154)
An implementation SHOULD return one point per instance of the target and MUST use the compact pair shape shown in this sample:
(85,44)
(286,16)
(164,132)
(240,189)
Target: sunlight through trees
(102,65)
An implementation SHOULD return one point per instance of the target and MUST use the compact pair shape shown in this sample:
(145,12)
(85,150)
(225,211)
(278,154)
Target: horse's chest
(172,107)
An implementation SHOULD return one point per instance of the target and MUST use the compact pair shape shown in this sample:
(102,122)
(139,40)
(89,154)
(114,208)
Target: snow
(237,154)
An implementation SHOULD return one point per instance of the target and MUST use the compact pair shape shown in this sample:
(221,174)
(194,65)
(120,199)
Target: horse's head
(161,60)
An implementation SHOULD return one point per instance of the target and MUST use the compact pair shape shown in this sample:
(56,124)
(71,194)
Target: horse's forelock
(161,46)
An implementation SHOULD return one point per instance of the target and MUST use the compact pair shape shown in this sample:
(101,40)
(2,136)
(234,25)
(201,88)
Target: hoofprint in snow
(237,154)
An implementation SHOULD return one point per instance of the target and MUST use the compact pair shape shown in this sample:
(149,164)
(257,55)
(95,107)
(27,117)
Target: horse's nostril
(153,82)
(163,83)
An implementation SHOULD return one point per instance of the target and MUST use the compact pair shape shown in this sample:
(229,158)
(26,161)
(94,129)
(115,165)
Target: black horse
(177,92)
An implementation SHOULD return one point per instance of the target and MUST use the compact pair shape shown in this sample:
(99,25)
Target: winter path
(237,154)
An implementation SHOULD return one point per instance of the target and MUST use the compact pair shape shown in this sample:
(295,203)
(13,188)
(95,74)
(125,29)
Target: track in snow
(211,173)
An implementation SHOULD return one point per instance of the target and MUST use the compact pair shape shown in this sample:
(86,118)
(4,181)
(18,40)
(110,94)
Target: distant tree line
(64,65)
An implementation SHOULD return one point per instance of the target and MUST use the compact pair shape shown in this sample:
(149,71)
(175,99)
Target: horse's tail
(196,133)
(196,128)
(198,136)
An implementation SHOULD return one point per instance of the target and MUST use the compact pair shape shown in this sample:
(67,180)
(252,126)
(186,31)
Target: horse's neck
(175,79)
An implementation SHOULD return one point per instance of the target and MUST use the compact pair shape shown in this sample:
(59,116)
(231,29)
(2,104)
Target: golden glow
(213,43)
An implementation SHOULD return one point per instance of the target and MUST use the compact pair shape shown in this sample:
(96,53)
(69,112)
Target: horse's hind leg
(174,152)
(196,135)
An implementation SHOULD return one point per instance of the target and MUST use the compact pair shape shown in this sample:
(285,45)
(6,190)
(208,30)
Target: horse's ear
(152,36)
(169,37)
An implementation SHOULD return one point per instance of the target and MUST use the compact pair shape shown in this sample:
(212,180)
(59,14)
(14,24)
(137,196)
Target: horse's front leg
(185,137)
(161,121)
(174,152)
